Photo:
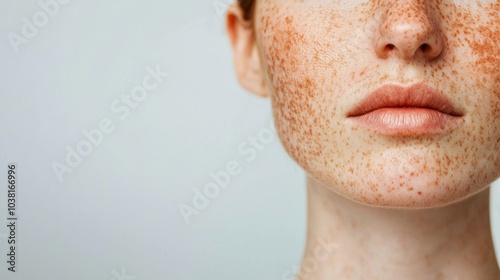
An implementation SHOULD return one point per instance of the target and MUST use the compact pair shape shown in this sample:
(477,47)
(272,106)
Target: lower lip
(407,121)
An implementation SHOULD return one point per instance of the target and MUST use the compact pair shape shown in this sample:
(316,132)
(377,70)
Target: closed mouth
(393,96)
(417,110)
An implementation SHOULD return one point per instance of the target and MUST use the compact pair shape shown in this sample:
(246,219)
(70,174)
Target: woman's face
(406,146)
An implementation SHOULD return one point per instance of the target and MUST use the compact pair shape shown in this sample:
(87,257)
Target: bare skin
(452,242)
(398,206)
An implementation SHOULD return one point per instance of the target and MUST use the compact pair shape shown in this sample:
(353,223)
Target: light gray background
(116,216)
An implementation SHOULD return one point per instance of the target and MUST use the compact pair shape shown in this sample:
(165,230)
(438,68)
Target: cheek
(480,34)
(477,34)
(300,74)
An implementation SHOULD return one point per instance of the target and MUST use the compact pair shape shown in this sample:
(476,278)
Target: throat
(348,240)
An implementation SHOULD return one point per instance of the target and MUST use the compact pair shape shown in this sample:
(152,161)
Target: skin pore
(399,207)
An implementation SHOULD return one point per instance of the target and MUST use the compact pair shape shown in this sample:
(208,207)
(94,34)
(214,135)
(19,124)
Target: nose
(408,31)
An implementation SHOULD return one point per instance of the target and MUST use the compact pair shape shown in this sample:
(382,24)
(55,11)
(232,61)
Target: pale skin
(413,207)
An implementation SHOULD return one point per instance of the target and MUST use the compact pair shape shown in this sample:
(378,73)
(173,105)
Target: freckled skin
(322,57)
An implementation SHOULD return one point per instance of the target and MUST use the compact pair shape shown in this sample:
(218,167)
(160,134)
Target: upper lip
(395,96)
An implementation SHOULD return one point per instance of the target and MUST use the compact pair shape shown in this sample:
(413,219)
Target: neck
(348,240)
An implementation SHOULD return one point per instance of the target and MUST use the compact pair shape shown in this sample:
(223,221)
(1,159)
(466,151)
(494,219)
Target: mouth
(406,111)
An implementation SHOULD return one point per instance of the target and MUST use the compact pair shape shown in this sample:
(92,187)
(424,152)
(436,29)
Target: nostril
(389,47)
(425,47)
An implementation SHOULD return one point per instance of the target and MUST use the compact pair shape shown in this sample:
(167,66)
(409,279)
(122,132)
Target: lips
(405,111)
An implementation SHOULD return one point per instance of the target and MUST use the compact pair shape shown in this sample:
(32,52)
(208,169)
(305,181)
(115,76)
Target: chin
(412,181)
(402,194)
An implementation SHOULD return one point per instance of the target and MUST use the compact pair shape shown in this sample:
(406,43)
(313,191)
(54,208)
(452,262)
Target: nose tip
(408,33)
